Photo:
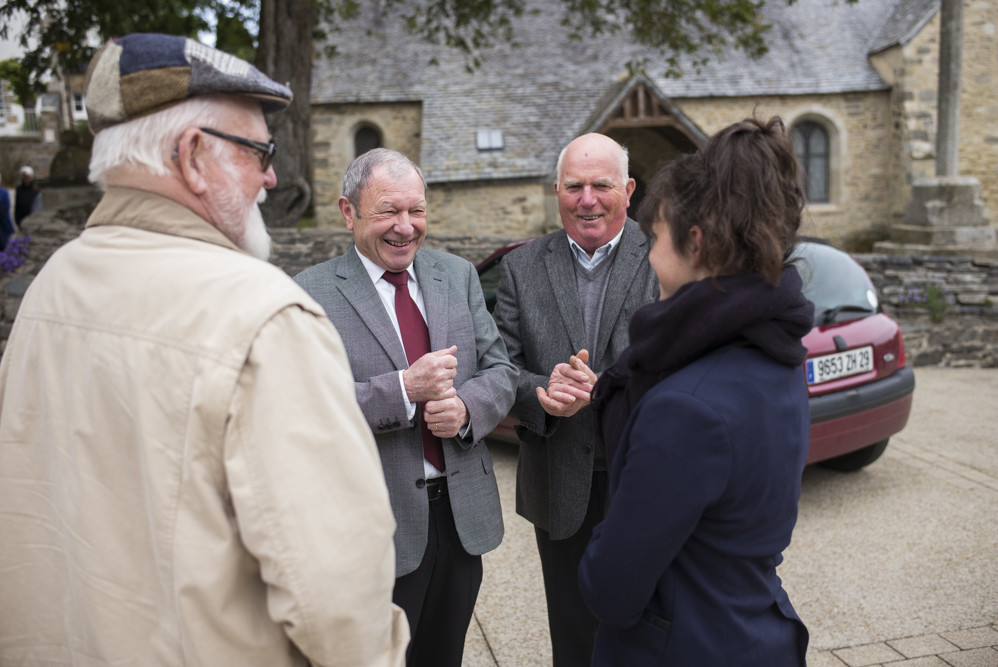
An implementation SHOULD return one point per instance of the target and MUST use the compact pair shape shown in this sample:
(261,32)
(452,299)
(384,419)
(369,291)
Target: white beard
(255,239)
(243,225)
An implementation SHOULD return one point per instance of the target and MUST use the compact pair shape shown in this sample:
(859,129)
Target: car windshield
(837,286)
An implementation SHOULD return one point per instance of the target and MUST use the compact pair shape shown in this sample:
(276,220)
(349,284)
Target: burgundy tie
(416,340)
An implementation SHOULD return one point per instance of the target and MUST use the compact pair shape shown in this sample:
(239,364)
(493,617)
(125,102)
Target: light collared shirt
(387,293)
(590,263)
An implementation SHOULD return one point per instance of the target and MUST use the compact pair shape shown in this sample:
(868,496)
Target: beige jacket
(185,475)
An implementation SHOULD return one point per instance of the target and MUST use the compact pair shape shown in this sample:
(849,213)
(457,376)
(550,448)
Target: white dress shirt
(387,293)
(583,258)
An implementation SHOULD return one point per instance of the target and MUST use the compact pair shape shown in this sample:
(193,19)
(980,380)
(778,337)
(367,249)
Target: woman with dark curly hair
(707,412)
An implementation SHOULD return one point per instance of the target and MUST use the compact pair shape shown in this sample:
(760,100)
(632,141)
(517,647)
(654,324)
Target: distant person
(572,290)
(27,198)
(6,226)
(709,407)
(187,478)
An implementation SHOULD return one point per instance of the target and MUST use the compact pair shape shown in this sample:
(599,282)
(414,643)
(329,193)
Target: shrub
(933,299)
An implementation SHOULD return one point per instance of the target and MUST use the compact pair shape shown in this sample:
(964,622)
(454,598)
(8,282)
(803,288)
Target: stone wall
(293,250)
(296,250)
(968,332)
(967,336)
(858,126)
(333,129)
(28,149)
(510,209)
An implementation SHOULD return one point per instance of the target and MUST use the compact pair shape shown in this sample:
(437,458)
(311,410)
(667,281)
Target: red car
(858,383)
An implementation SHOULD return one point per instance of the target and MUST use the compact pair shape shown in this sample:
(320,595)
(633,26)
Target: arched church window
(367,138)
(812,147)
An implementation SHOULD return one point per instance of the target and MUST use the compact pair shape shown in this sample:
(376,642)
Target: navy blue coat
(704,490)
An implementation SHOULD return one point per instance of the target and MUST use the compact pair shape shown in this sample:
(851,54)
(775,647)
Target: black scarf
(700,317)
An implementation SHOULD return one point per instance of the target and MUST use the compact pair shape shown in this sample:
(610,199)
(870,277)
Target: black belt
(657,620)
(436,488)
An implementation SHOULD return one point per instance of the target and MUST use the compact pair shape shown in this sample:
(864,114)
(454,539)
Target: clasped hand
(569,387)
(430,381)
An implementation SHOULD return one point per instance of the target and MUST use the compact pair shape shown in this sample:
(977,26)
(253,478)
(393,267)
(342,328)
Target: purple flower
(15,253)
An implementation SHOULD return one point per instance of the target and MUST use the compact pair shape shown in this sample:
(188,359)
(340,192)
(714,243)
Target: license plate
(840,365)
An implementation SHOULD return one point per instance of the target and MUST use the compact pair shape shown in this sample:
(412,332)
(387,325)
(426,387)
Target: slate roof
(904,23)
(542,91)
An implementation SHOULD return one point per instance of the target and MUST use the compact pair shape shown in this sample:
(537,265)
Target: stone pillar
(944,218)
(946,215)
(948,94)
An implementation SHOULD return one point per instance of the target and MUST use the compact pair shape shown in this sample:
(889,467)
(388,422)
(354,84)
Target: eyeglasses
(266,150)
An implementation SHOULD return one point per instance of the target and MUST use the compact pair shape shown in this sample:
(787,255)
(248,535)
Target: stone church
(855,82)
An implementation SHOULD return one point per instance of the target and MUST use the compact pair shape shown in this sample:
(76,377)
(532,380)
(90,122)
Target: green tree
(61,30)
(290,29)
(13,73)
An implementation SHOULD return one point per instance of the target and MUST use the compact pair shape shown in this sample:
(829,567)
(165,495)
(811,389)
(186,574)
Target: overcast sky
(9,47)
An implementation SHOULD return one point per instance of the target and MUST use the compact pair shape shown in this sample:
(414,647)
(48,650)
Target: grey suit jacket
(540,317)
(486,381)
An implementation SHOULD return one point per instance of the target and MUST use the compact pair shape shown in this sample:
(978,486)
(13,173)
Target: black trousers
(439,596)
(573,626)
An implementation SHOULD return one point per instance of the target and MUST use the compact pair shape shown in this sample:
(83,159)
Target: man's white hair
(623,163)
(148,142)
(358,174)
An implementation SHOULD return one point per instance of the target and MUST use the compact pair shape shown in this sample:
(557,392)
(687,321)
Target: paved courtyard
(894,565)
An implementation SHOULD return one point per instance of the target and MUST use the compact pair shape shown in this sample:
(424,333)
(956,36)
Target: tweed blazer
(486,381)
(539,315)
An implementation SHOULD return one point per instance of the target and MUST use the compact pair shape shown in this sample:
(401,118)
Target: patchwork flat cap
(144,72)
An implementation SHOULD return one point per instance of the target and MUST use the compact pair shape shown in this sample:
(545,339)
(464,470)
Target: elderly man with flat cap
(187,476)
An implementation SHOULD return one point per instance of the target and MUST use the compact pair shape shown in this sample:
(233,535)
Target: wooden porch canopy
(639,104)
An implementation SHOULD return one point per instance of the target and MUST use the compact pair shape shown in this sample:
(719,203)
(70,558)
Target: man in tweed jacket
(460,386)
(571,290)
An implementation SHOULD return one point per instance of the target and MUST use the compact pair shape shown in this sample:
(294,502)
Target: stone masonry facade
(967,336)
(979,100)
(881,140)
(912,70)
(857,125)
(968,332)
(512,208)
(333,131)
(858,130)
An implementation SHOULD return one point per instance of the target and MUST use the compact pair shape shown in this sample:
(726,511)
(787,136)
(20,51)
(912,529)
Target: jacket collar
(358,289)
(139,209)
(433,285)
(631,256)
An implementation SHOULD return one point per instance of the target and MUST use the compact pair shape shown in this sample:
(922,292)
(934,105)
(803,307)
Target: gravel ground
(899,554)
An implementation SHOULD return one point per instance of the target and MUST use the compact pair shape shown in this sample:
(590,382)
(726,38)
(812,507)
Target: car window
(837,286)
(489,277)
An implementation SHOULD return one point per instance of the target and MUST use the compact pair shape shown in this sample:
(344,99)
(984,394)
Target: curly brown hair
(743,189)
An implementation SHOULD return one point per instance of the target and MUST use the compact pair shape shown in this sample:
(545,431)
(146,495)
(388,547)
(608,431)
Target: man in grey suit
(432,379)
(569,291)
